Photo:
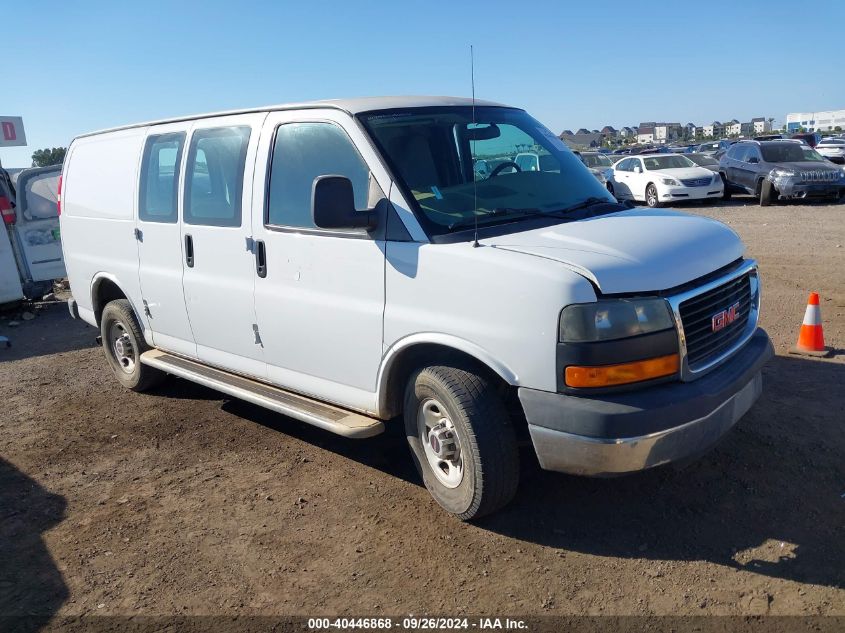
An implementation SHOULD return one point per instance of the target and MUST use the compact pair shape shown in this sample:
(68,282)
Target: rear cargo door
(37,226)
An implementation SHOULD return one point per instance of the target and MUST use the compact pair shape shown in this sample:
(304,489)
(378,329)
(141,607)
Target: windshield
(670,161)
(785,153)
(703,161)
(596,160)
(811,154)
(504,166)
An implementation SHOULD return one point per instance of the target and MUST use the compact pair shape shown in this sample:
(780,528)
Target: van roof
(352,106)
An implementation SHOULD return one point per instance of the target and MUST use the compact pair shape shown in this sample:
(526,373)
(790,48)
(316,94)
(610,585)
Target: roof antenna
(472,150)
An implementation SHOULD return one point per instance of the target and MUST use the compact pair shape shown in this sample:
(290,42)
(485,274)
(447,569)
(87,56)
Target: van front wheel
(123,345)
(461,440)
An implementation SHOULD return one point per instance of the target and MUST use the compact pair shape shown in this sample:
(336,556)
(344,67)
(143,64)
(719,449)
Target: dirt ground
(183,501)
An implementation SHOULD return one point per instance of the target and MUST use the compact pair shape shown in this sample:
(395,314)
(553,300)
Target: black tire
(651,199)
(767,193)
(488,450)
(726,192)
(610,189)
(119,321)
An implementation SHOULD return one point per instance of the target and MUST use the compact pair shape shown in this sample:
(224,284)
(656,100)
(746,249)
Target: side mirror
(333,205)
(753,160)
(638,169)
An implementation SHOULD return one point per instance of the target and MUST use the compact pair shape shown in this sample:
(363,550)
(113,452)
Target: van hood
(636,250)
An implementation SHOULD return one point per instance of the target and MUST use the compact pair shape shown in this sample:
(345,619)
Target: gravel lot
(185,502)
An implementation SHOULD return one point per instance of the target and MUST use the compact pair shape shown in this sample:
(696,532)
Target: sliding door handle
(189,251)
(260,258)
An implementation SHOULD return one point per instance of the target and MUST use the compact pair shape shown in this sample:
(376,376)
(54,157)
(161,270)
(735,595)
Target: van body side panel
(498,302)
(97,221)
(219,287)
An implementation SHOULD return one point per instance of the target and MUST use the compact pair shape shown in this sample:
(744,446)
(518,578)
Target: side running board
(320,414)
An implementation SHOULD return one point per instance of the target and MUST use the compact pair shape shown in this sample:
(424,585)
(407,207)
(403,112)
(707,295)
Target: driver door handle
(189,251)
(260,258)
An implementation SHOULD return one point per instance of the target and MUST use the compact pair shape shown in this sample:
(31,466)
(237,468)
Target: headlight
(670,181)
(717,179)
(779,172)
(613,319)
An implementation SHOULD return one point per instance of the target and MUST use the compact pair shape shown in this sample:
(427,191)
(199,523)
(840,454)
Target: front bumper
(615,434)
(693,193)
(788,188)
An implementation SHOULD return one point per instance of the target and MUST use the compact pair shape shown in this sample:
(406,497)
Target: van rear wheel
(462,440)
(123,345)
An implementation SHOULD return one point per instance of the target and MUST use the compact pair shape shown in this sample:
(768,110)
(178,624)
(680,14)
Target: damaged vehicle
(780,170)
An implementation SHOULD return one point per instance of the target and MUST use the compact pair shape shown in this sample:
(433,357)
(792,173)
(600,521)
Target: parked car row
(770,170)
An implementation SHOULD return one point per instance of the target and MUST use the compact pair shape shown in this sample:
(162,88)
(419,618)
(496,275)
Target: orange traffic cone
(811,336)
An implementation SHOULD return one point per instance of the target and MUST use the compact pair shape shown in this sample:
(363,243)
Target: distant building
(583,130)
(645,132)
(734,128)
(746,129)
(714,129)
(824,121)
(761,125)
(666,132)
(609,131)
(582,140)
(689,130)
(627,132)
(566,133)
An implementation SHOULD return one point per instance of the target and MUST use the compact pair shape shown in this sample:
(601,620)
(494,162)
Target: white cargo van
(344,263)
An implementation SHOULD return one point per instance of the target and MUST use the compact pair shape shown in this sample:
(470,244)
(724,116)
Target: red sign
(11,131)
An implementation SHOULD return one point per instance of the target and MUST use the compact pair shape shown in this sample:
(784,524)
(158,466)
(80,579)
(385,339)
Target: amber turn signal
(623,373)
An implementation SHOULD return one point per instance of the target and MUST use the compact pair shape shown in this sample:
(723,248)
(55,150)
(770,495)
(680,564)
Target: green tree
(838,128)
(47,157)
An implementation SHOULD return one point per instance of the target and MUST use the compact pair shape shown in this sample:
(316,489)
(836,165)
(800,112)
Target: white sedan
(660,178)
(833,149)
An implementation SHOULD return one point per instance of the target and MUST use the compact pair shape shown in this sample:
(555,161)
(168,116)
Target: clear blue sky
(71,67)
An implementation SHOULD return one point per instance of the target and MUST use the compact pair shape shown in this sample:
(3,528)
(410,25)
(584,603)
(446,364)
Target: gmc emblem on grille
(724,318)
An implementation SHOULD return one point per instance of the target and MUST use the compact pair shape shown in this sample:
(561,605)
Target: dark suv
(782,169)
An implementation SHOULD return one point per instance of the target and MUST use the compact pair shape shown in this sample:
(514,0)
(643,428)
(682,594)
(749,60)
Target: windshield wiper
(592,201)
(533,211)
(520,211)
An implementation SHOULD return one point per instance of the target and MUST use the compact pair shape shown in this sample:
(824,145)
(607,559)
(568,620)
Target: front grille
(820,175)
(697,182)
(697,313)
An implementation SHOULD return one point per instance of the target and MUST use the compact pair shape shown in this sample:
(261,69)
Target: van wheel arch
(421,355)
(104,291)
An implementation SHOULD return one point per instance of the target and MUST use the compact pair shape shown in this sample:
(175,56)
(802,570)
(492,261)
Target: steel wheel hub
(440,443)
(122,348)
